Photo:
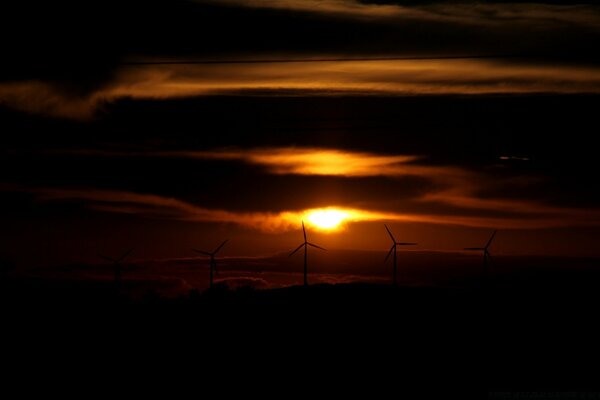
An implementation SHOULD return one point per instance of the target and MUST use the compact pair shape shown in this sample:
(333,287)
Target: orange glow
(327,219)
(328,162)
(319,161)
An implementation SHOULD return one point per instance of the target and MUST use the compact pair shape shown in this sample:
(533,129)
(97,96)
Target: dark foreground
(365,340)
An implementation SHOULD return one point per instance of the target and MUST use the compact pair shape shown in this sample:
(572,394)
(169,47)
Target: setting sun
(329,219)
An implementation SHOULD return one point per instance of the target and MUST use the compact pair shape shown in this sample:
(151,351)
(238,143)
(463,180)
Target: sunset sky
(180,124)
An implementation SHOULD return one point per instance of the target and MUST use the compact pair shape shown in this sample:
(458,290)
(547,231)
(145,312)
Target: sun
(327,219)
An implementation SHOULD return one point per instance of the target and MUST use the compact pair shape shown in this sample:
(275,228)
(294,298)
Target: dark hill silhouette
(527,327)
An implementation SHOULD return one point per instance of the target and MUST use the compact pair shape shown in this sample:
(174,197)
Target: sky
(171,125)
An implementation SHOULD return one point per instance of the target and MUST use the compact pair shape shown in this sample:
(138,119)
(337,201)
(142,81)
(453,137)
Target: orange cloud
(303,161)
(318,161)
(391,77)
(344,7)
(477,14)
(458,76)
(153,206)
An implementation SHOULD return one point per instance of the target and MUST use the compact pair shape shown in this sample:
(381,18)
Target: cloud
(391,77)
(154,206)
(459,198)
(54,76)
(347,8)
(36,97)
(292,160)
(448,195)
(315,161)
(465,13)
(400,77)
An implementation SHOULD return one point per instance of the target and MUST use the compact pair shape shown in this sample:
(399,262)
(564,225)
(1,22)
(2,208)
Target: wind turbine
(305,245)
(486,254)
(213,262)
(117,264)
(394,249)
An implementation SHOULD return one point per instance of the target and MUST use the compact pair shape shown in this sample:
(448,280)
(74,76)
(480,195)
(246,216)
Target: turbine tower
(305,244)
(486,255)
(394,249)
(213,262)
(117,264)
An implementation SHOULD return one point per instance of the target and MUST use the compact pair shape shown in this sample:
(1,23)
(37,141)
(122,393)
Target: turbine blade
(304,231)
(491,238)
(102,256)
(128,252)
(206,253)
(389,233)
(314,245)
(406,244)
(298,248)
(389,252)
(215,269)
(219,248)
(473,248)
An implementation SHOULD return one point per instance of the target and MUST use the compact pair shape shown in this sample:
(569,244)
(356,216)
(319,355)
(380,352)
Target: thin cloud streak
(490,14)
(391,77)
(289,160)
(154,206)
(316,161)
(300,161)
(343,8)
(449,76)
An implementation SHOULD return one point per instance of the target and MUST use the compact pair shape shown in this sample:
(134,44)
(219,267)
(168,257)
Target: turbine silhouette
(486,255)
(213,262)
(305,244)
(117,264)
(394,249)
